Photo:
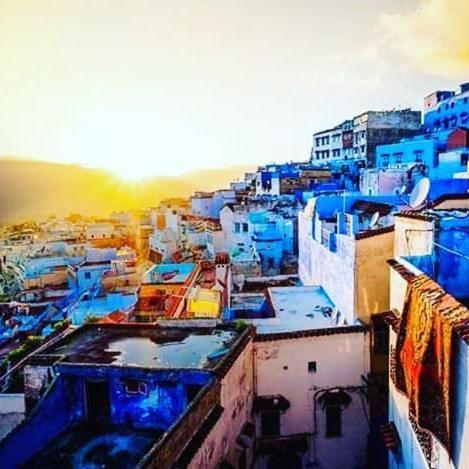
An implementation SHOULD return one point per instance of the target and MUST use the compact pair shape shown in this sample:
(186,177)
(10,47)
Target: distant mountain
(36,189)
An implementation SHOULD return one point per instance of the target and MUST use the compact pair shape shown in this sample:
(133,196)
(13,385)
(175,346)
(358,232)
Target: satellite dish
(374,219)
(419,193)
(400,190)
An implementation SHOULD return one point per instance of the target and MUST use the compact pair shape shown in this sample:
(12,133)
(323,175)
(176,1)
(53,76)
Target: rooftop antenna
(419,193)
(400,190)
(374,220)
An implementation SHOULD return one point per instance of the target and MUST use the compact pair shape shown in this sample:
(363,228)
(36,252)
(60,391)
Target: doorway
(97,401)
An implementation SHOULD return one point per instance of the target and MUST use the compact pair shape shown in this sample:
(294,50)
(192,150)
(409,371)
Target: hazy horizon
(38,189)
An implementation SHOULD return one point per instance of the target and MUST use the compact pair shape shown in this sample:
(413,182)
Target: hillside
(36,189)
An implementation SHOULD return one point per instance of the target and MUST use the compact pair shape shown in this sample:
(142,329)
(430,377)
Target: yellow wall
(206,305)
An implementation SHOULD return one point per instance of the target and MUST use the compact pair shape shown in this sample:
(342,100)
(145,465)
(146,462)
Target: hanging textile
(424,354)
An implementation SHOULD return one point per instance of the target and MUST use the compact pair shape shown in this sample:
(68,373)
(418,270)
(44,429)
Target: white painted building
(338,251)
(310,408)
(100,231)
(358,137)
(327,145)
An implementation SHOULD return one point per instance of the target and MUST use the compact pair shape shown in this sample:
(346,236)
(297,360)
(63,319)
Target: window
(312,367)
(270,424)
(418,156)
(245,227)
(87,275)
(398,158)
(132,387)
(333,421)
(237,227)
(464,159)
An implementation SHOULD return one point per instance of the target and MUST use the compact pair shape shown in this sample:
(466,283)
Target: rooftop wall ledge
(403,268)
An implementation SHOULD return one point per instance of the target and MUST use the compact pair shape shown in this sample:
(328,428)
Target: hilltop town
(311,314)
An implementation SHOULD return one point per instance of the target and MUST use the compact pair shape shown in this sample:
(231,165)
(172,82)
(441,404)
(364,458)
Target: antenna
(420,193)
(400,190)
(374,219)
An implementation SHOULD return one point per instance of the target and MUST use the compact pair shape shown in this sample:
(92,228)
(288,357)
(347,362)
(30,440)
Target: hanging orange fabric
(424,354)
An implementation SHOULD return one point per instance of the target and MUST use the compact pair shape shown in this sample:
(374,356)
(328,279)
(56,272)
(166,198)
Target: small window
(245,227)
(133,387)
(270,424)
(418,154)
(87,275)
(464,159)
(237,227)
(333,421)
(312,367)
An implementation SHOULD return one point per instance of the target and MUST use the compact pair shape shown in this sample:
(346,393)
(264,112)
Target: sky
(163,87)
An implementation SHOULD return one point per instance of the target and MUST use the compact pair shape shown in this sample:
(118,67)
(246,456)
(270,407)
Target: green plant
(33,342)
(61,325)
(240,325)
(92,319)
(30,344)
(3,367)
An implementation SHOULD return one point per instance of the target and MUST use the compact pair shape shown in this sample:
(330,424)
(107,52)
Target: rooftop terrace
(288,309)
(145,346)
(299,308)
(168,273)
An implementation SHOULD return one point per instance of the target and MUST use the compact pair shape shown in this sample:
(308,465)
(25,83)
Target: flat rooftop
(168,273)
(100,307)
(298,309)
(145,346)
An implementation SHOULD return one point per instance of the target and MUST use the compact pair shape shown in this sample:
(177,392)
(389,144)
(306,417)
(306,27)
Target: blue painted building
(432,243)
(448,262)
(422,149)
(446,110)
(110,393)
(268,238)
(445,113)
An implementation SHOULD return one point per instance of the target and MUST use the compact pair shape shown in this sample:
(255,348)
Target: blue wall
(447,268)
(419,149)
(164,403)
(450,113)
(64,404)
(53,415)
